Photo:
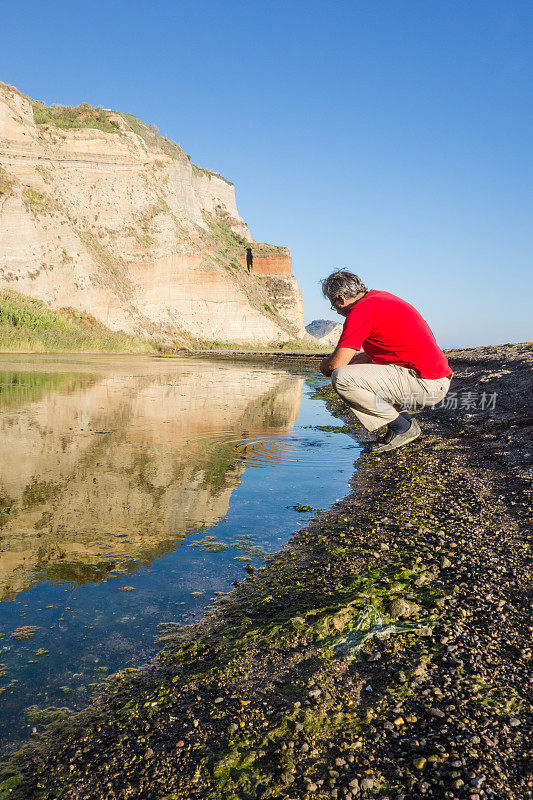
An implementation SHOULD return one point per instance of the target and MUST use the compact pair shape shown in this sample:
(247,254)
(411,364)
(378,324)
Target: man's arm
(341,357)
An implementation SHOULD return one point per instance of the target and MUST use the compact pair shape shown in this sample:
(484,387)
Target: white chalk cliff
(116,221)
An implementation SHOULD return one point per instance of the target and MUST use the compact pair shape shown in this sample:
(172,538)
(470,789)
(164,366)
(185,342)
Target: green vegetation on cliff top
(87,116)
(82,116)
(28,325)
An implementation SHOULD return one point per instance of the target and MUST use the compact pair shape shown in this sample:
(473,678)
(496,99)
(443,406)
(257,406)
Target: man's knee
(339,379)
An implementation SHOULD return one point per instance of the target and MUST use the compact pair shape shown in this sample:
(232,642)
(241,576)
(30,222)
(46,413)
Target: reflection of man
(401,363)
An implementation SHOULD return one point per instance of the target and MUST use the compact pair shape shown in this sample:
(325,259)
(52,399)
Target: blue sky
(390,137)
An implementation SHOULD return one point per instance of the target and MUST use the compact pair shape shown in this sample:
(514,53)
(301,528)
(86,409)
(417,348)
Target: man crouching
(401,363)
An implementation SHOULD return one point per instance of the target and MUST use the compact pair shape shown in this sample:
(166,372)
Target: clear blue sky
(390,137)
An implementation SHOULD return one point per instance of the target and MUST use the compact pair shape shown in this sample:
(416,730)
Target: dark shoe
(391,441)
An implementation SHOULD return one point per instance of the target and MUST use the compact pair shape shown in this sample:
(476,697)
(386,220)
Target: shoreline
(382,652)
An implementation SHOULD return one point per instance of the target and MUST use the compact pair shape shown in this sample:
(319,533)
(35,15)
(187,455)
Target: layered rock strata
(116,221)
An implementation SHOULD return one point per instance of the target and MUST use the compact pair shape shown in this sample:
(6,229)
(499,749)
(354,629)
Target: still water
(131,490)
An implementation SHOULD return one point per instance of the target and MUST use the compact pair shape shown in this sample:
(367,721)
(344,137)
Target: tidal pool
(131,490)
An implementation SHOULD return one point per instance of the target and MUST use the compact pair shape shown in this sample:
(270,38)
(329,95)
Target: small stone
(436,712)
(419,763)
(354,784)
(445,563)
(514,722)
(367,783)
(181,743)
(233,728)
(219,699)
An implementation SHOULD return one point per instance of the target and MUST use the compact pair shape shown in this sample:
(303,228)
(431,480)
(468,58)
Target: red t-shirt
(391,331)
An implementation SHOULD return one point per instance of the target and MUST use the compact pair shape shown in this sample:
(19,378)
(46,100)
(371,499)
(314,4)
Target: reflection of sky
(96,627)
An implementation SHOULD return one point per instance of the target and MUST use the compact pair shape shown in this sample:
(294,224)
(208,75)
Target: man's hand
(341,357)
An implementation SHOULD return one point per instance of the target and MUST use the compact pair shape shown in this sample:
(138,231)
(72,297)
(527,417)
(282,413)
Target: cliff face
(115,220)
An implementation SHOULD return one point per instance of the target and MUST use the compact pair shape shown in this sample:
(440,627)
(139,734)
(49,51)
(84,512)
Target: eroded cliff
(101,214)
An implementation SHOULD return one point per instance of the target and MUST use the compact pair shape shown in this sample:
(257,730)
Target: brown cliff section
(258,262)
(100,213)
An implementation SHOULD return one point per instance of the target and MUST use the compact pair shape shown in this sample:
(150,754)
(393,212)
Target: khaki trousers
(374,392)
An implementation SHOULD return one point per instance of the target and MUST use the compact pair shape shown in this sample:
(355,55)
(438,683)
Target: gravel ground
(385,652)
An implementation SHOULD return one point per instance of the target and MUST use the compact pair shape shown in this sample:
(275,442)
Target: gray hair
(342,282)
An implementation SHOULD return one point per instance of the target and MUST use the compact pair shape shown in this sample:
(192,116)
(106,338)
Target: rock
(424,578)
(367,783)
(419,763)
(514,722)
(445,563)
(402,608)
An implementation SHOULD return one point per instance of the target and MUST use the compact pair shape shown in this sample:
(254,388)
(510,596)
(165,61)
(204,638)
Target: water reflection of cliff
(109,470)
